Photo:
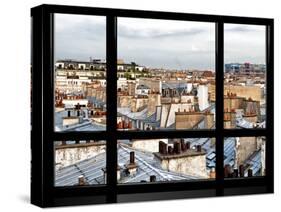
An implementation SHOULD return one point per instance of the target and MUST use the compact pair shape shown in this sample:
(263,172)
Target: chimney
(183,146)
(131,166)
(227,170)
(130,125)
(177,147)
(152,178)
(68,113)
(250,173)
(120,125)
(125,124)
(81,180)
(132,157)
(235,173)
(187,145)
(241,171)
(92,113)
(162,147)
(198,147)
(170,150)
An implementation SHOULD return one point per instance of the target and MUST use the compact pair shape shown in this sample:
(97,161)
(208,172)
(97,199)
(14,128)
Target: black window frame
(43,135)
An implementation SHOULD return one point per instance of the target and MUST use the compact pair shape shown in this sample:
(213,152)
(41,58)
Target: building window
(191,107)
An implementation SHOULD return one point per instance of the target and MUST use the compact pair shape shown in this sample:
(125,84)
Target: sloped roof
(91,169)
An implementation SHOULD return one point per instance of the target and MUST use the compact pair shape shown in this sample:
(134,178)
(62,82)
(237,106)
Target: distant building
(244,67)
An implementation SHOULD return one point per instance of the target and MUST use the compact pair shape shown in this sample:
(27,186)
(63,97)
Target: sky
(157,43)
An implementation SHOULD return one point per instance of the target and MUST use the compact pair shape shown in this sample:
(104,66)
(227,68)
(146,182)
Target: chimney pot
(235,173)
(177,147)
(241,171)
(227,170)
(250,173)
(162,147)
(170,150)
(132,157)
(183,146)
(152,178)
(187,145)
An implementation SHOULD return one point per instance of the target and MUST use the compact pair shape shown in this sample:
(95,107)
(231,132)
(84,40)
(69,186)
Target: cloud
(126,31)
(79,37)
(238,28)
(244,43)
(157,43)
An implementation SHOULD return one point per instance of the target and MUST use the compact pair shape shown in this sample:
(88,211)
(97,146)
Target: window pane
(80,73)
(166,76)
(154,160)
(244,156)
(80,163)
(245,76)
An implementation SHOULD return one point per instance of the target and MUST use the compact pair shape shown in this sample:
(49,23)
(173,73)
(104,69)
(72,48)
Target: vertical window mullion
(219,105)
(270,106)
(111,99)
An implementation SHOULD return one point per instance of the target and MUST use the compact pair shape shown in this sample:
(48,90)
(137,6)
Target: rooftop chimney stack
(170,150)
(177,147)
(235,173)
(132,157)
(199,149)
(183,146)
(152,178)
(241,170)
(187,145)
(131,166)
(227,170)
(162,147)
(68,113)
(250,173)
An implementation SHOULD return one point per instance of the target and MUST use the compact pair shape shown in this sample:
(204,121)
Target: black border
(44,194)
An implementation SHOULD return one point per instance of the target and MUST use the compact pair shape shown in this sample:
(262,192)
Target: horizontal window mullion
(165,134)
(244,182)
(70,191)
(245,132)
(101,135)
(165,186)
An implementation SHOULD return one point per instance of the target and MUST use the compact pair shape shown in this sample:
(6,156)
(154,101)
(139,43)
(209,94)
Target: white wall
(203,97)
(15,52)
